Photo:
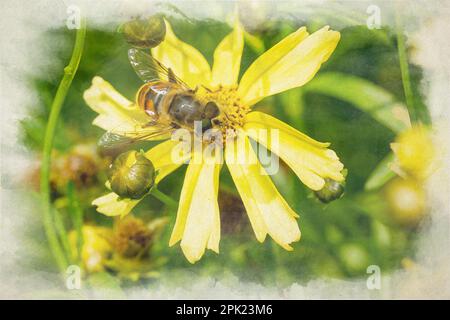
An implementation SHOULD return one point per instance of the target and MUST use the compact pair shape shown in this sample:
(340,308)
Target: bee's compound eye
(211,110)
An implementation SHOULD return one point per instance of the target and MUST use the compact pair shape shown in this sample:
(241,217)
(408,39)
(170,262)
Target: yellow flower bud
(414,152)
(406,200)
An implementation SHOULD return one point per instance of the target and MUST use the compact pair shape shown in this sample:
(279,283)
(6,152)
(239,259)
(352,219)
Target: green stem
(61,93)
(414,109)
(164,198)
(62,233)
(76,214)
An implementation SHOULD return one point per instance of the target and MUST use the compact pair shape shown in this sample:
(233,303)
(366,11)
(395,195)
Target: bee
(169,104)
(172,102)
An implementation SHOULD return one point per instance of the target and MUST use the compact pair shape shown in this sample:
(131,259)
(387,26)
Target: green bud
(144,33)
(331,191)
(132,175)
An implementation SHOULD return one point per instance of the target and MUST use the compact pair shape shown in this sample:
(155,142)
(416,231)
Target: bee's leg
(194,90)
(150,124)
(206,88)
(171,75)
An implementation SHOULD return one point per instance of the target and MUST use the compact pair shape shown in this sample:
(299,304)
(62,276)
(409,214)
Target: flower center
(232,112)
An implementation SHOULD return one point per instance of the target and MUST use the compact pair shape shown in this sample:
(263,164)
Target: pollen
(232,111)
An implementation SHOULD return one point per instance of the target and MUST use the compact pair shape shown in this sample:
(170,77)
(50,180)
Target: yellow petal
(227,58)
(309,159)
(161,157)
(198,222)
(96,246)
(116,113)
(184,60)
(163,160)
(112,205)
(290,63)
(267,210)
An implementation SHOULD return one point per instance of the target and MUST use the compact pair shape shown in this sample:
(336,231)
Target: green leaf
(363,94)
(381,174)
(360,37)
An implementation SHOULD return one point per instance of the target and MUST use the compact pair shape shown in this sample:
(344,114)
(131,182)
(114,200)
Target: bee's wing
(150,69)
(154,132)
(116,141)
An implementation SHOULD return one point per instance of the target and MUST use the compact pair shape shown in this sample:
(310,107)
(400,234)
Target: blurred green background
(349,103)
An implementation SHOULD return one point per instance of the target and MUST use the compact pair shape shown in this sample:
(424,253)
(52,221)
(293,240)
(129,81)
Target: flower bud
(406,200)
(131,175)
(415,153)
(331,191)
(144,33)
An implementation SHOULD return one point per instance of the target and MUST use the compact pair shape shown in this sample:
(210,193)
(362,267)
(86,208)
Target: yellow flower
(414,153)
(132,242)
(96,247)
(289,64)
(125,249)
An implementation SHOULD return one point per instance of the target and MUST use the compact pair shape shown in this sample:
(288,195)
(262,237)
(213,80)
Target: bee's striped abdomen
(150,96)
